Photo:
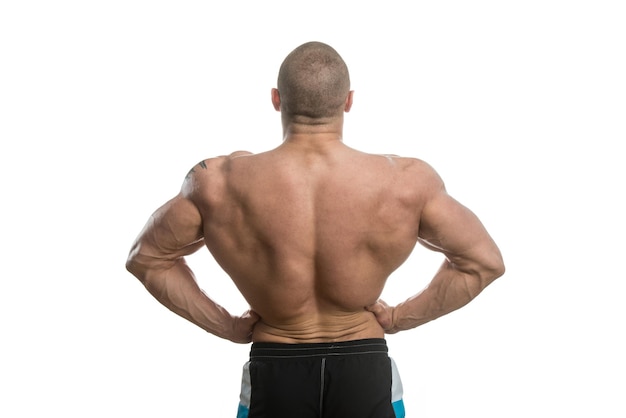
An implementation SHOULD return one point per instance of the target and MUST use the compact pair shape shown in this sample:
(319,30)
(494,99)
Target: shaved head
(313,81)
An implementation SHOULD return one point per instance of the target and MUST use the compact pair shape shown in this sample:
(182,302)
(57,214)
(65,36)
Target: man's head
(313,82)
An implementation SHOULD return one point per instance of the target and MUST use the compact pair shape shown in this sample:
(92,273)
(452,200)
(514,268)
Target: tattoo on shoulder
(202,164)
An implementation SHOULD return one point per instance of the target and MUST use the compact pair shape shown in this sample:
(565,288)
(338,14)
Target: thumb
(383,314)
(378,307)
(251,315)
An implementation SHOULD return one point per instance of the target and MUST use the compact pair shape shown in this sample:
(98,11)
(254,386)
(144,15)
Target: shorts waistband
(342,348)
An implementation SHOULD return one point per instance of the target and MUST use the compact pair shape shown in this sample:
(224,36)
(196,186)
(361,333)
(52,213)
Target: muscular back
(310,235)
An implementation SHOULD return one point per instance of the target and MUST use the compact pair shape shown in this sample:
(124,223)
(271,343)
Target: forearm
(449,290)
(176,288)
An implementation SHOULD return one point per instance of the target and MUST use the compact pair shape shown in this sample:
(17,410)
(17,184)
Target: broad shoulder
(208,165)
(414,170)
(209,173)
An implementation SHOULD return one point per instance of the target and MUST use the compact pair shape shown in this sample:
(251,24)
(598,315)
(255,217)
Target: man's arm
(473,261)
(157,260)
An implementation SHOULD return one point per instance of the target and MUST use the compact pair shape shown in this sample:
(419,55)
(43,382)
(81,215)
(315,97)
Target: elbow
(493,267)
(483,275)
(135,268)
(138,263)
(131,266)
(480,273)
(485,271)
(501,269)
(145,266)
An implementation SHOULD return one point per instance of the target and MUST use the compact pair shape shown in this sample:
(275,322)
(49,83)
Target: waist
(331,329)
(342,348)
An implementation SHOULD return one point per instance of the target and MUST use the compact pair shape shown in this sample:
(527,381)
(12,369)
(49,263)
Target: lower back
(314,328)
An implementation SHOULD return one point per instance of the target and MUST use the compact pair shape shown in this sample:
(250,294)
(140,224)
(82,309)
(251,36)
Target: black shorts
(330,380)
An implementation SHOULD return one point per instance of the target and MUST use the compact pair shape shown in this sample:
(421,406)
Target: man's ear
(349,100)
(276,99)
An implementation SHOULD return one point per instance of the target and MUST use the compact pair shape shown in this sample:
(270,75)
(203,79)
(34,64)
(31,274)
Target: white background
(104,107)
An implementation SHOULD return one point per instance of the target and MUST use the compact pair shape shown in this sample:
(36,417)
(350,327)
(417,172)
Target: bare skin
(309,232)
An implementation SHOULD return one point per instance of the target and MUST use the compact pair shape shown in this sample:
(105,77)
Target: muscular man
(309,232)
